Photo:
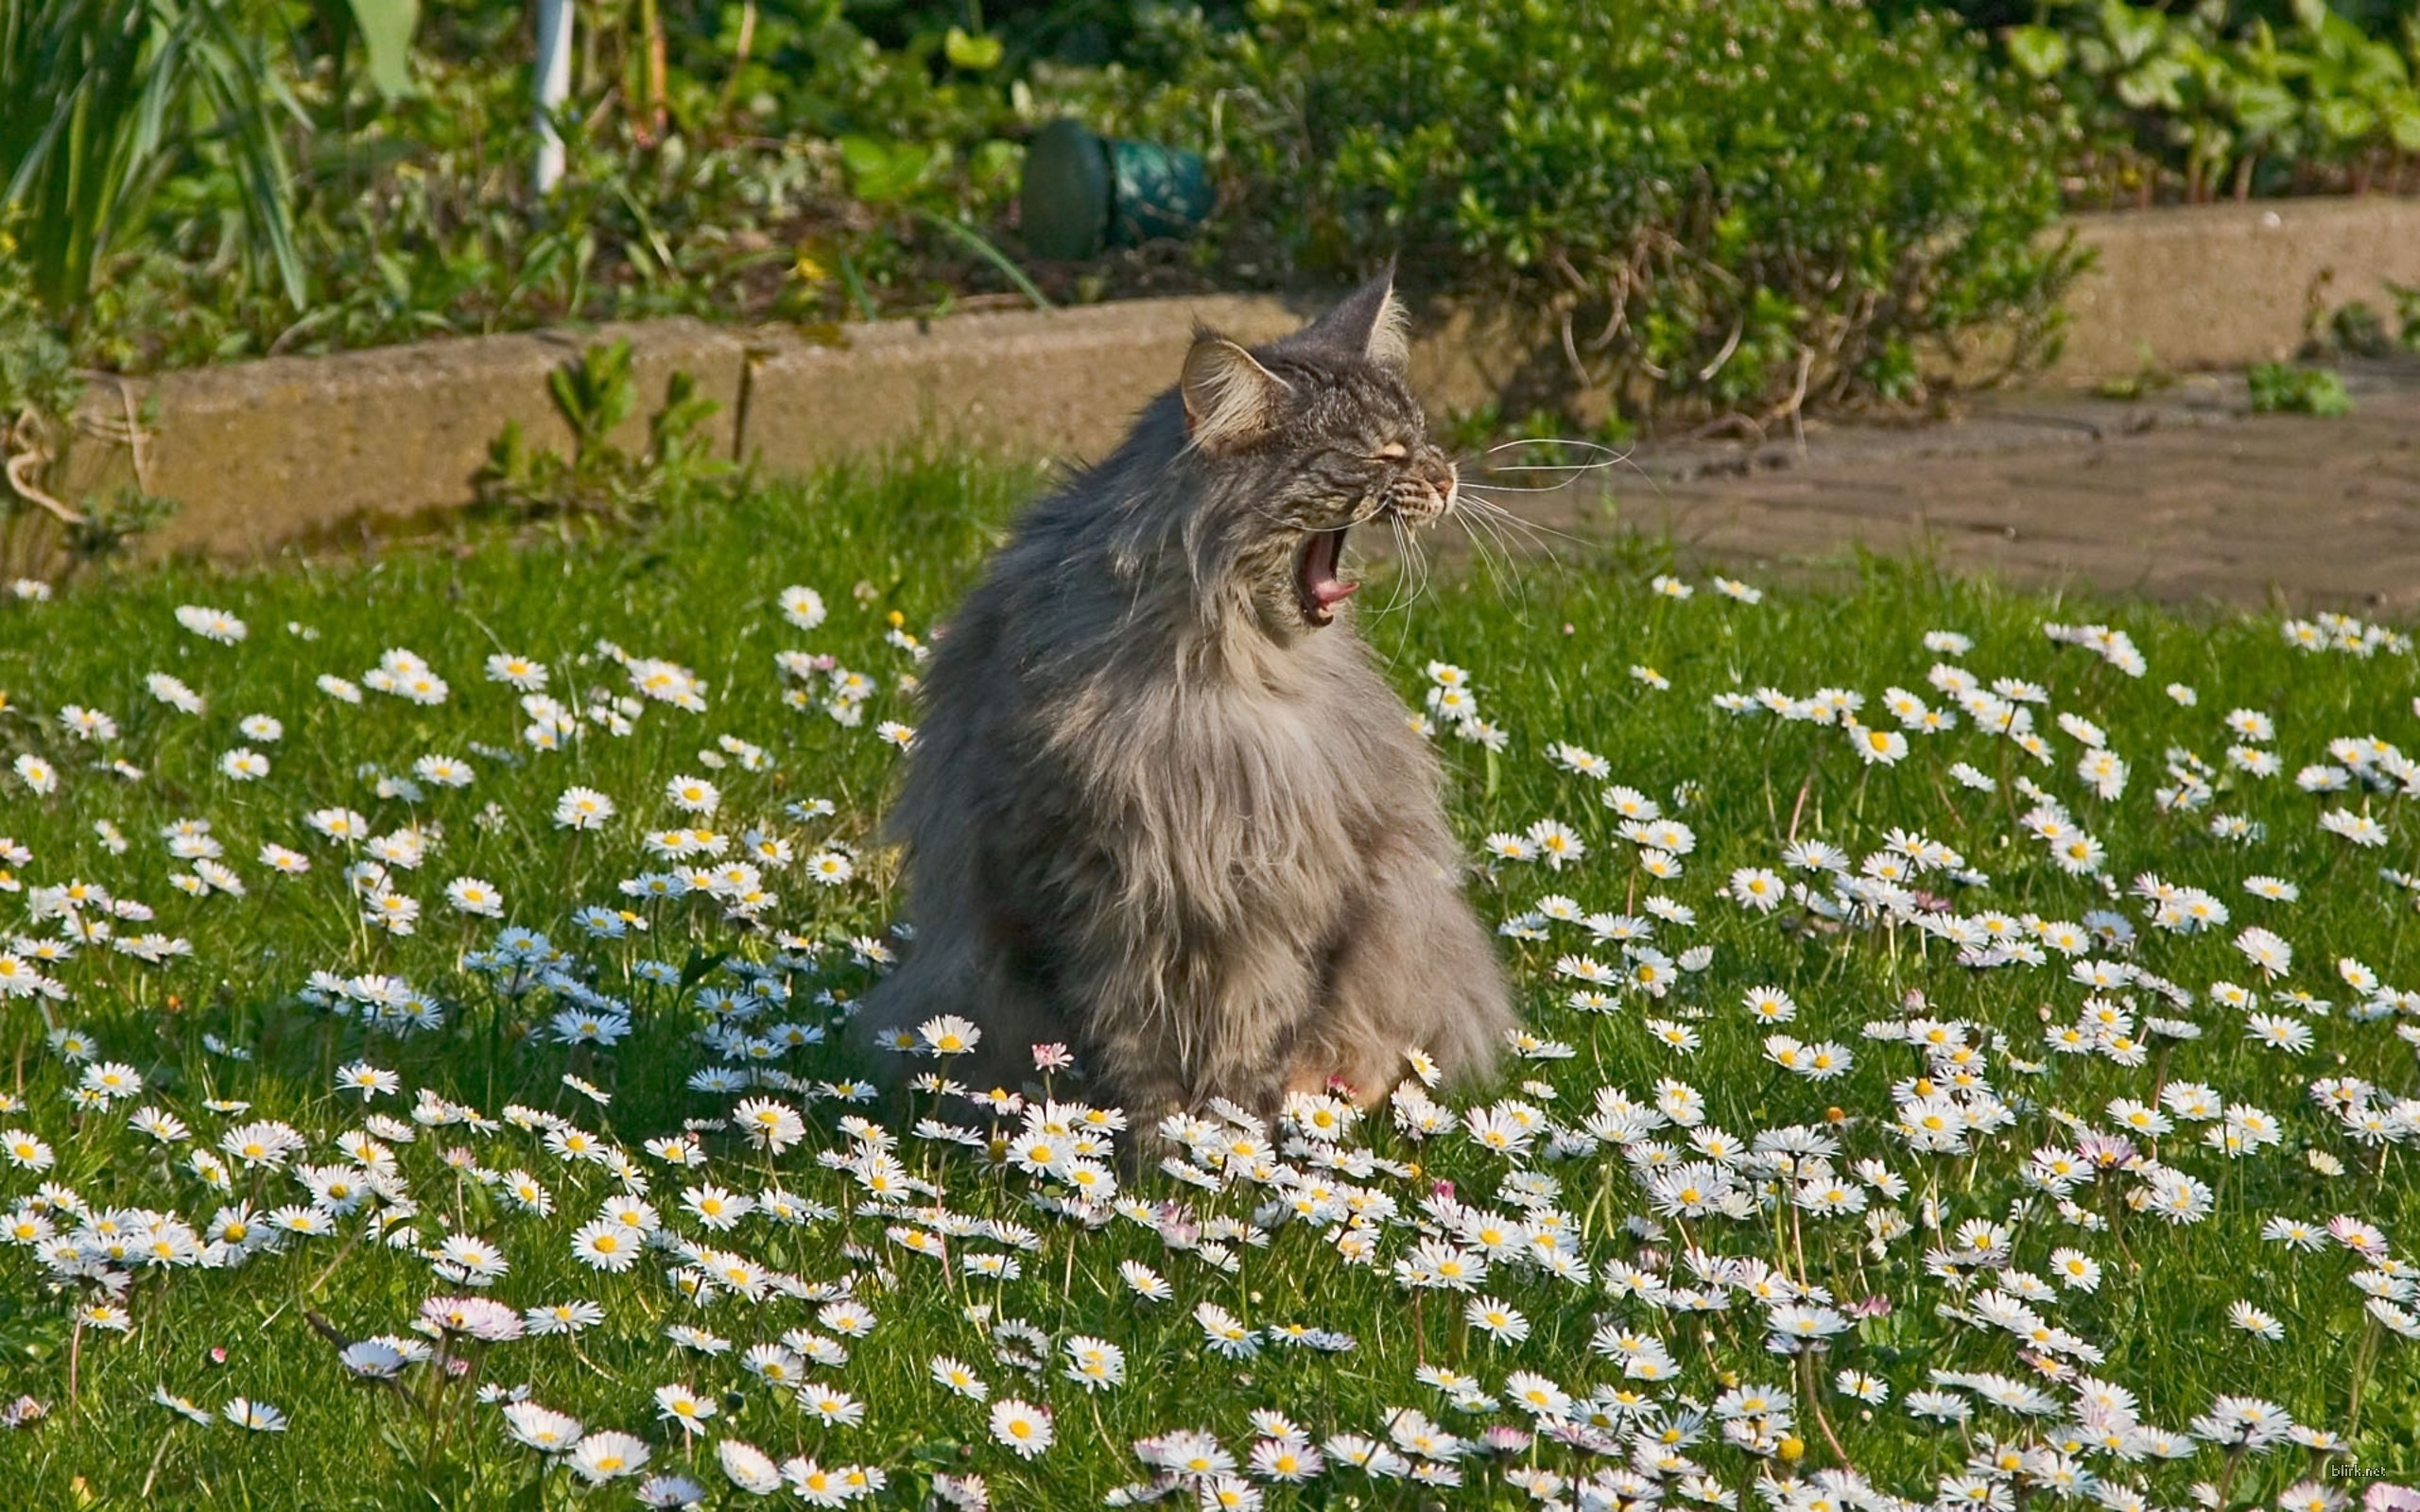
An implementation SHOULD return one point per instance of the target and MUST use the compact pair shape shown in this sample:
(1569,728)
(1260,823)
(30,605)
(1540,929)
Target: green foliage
(39,389)
(594,395)
(2150,376)
(385,29)
(1735,208)
(35,372)
(793,171)
(2280,389)
(2214,94)
(2357,328)
(106,98)
(2407,313)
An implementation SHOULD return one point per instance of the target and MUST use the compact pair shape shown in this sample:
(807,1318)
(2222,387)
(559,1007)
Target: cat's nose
(1445,482)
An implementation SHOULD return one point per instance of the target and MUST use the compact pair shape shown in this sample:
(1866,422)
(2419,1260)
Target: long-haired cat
(1160,808)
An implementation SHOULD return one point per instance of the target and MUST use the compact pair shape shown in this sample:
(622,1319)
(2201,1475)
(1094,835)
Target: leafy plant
(2356,329)
(2407,313)
(1736,209)
(38,391)
(2280,389)
(106,98)
(796,172)
(2150,376)
(2308,88)
(594,394)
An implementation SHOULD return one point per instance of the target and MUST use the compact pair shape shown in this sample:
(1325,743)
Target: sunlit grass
(1554,661)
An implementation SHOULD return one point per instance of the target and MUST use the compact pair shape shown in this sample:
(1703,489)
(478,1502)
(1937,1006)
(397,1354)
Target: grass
(1551,659)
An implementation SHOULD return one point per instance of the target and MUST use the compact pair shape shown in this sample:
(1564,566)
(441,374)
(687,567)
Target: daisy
(37,774)
(606,1456)
(833,1408)
(1498,1320)
(583,808)
(802,607)
(470,895)
(1022,1427)
(1143,1282)
(1879,747)
(563,1317)
(679,1405)
(212,625)
(606,1245)
(749,1468)
(958,1378)
(2267,950)
(1537,1396)
(1557,843)
(2254,1321)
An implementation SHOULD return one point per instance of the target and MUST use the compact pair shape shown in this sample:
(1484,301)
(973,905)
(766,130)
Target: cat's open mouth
(1315,576)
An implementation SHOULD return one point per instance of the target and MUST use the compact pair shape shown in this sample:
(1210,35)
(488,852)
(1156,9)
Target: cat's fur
(1160,807)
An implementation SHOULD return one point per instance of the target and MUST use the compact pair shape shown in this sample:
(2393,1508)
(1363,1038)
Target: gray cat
(1160,808)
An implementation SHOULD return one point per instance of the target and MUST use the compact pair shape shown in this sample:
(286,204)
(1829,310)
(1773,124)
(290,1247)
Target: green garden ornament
(1083,193)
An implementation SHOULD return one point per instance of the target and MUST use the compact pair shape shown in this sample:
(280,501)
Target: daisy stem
(1815,1404)
(1799,807)
(343,1251)
(158,1456)
(2235,1462)
(2361,1363)
(2117,1222)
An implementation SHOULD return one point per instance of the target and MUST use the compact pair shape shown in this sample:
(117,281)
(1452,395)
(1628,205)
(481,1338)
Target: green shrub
(2278,388)
(2289,97)
(1739,205)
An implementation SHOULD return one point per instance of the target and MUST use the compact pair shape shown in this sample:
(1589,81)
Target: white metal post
(554,87)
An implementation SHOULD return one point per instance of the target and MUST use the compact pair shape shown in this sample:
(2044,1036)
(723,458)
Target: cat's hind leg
(953,972)
(1412,969)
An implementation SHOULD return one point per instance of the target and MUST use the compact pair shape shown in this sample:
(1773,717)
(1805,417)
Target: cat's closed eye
(1392,452)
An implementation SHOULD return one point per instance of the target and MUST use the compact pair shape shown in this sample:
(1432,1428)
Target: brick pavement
(2187,497)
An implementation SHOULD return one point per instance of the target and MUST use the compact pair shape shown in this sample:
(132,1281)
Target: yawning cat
(1161,806)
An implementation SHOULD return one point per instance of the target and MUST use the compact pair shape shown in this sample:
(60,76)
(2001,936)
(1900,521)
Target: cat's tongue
(1322,589)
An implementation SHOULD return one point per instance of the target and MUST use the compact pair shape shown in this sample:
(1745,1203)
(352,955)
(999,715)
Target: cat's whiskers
(1497,519)
(1607,456)
(1483,525)
(1416,558)
(1411,570)
(1488,511)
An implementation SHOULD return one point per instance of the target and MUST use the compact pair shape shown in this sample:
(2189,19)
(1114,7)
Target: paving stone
(2188,498)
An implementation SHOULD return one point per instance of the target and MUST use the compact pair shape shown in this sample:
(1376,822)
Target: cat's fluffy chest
(1234,813)
(1306,752)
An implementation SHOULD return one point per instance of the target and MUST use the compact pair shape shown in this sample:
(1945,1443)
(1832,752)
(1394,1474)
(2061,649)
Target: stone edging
(262,454)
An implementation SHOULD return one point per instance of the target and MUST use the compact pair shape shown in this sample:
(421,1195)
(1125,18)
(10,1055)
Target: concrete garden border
(266,453)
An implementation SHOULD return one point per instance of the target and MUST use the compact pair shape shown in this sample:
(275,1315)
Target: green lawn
(2001,1317)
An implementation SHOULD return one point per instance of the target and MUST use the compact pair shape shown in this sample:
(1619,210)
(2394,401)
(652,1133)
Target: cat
(1160,806)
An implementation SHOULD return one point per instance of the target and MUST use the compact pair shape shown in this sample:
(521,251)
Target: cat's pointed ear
(1230,399)
(1370,321)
